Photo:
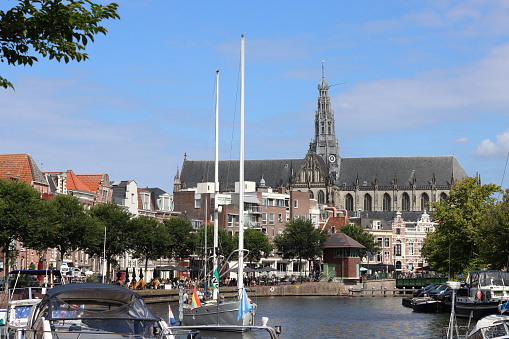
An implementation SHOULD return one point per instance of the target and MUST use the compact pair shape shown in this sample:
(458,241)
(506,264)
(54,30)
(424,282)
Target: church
(365,185)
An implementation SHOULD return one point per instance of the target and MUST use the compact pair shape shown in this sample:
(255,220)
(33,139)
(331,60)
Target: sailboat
(217,312)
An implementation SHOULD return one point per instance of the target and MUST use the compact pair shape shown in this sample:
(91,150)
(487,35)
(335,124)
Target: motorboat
(482,294)
(94,310)
(493,326)
(429,305)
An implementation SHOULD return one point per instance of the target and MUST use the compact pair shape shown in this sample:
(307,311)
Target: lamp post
(104,255)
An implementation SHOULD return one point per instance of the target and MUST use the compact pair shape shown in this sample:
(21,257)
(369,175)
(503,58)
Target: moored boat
(429,305)
(493,326)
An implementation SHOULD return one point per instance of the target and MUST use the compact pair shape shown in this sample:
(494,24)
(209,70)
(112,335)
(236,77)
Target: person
(208,295)
(186,297)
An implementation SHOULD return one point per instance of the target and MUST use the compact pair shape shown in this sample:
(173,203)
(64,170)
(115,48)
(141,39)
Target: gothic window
(329,127)
(387,202)
(424,202)
(367,202)
(405,202)
(311,195)
(349,202)
(323,127)
(443,197)
(321,197)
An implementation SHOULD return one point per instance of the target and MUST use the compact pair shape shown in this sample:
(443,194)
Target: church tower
(325,143)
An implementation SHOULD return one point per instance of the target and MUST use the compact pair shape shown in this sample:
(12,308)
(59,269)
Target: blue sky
(422,78)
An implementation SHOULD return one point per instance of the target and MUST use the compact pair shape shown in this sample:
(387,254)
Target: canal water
(336,317)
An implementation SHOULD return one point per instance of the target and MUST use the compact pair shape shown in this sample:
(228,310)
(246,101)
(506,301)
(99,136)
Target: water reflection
(336,317)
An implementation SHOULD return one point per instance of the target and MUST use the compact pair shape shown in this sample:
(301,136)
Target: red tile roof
(22,166)
(73,182)
(92,181)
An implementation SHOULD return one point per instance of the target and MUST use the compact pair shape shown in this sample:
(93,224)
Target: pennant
(195,301)
(478,294)
(171,318)
(503,307)
(214,282)
(245,305)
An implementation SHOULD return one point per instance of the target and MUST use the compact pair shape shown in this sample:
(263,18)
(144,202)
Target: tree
(362,236)
(180,230)
(113,221)
(300,240)
(51,28)
(21,215)
(494,244)
(226,242)
(455,243)
(257,243)
(69,227)
(150,239)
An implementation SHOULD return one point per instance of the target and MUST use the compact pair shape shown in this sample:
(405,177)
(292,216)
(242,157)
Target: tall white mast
(240,280)
(216,184)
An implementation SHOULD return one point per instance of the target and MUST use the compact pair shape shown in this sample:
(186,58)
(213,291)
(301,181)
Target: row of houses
(267,209)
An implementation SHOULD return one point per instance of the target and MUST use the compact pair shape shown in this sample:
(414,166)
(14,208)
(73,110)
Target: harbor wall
(374,288)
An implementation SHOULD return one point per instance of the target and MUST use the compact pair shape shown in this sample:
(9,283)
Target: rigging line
(503,175)
(228,178)
(212,114)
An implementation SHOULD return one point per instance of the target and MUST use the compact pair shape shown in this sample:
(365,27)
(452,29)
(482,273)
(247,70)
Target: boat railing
(273,332)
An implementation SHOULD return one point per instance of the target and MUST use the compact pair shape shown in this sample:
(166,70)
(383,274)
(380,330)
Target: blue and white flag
(171,318)
(245,305)
(503,307)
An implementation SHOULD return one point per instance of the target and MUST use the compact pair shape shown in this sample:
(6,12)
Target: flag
(478,294)
(245,305)
(195,301)
(171,318)
(503,307)
(214,282)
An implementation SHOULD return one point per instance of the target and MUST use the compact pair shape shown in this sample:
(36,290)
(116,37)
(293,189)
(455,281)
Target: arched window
(424,202)
(349,202)
(443,197)
(367,202)
(311,195)
(321,197)
(387,202)
(405,202)
(397,248)
(398,265)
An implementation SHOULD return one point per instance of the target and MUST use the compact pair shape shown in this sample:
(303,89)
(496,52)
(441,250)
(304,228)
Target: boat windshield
(99,309)
(496,331)
(499,278)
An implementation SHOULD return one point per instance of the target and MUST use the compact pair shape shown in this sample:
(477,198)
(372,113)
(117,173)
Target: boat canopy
(95,301)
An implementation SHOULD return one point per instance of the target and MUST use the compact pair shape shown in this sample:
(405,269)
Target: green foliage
(257,243)
(494,244)
(116,221)
(457,235)
(362,236)
(300,240)
(226,242)
(21,214)
(55,29)
(180,230)
(69,227)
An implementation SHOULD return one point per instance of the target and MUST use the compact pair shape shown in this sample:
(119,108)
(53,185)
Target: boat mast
(216,187)
(240,280)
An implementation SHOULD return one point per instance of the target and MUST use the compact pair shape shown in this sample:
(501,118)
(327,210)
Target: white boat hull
(228,313)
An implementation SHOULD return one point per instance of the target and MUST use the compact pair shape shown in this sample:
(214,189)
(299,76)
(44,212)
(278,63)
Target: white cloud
(463,140)
(487,148)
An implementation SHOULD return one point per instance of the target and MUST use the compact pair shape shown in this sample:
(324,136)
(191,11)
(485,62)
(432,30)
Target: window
(271,219)
(419,248)
(386,202)
(379,257)
(410,248)
(346,252)
(367,202)
(424,202)
(264,218)
(379,242)
(280,217)
(349,202)
(386,242)
(443,197)
(197,203)
(386,255)
(311,195)
(273,232)
(398,231)
(397,248)
(296,203)
(405,202)
(231,220)
(321,197)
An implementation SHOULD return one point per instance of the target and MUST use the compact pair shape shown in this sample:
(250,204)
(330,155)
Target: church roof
(275,172)
(404,169)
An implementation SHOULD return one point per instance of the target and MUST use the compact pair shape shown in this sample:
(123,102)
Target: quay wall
(386,287)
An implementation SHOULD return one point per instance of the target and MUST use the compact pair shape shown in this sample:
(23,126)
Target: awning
(251,199)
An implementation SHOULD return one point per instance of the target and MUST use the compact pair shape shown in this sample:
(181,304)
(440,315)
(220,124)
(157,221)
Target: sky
(414,78)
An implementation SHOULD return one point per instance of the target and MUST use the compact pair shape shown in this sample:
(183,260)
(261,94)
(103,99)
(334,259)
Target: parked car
(421,291)
(441,292)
